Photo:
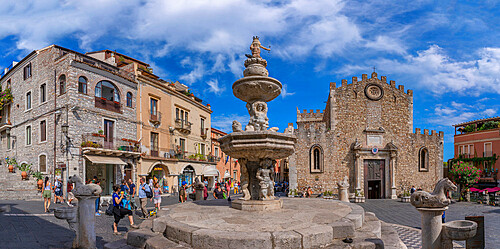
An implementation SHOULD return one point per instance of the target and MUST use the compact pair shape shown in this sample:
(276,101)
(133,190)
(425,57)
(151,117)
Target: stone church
(365,133)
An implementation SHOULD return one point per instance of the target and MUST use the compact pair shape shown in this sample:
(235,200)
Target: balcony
(196,157)
(154,153)
(204,133)
(4,125)
(99,143)
(155,118)
(183,126)
(109,105)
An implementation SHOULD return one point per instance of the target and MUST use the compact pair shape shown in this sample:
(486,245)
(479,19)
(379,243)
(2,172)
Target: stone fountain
(431,206)
(256,147)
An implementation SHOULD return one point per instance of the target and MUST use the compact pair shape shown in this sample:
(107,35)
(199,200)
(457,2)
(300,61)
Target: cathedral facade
(365,133)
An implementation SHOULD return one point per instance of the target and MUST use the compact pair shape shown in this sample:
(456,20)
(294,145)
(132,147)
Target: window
(105,89)
(176,113)
(8,141)
(216,153)
(43,131)
(109,132)
(471,150)
(82,85)
(129,99)
(154,144)
(186,118)
(202,149)
(42,163)
(43,93)
(62,84)
(316,159)
(154,107)
(28,101)
(202,124)
(423,159)
(27,71)
(182,144)
(488,150)
(28,135)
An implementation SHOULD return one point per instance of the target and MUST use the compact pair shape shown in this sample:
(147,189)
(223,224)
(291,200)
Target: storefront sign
(157,168)
(61,165)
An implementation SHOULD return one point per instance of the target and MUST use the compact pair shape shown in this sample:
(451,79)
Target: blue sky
(446,51)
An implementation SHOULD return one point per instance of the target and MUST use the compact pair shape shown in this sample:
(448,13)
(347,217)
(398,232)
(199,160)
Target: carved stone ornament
(436,199)
(374,91)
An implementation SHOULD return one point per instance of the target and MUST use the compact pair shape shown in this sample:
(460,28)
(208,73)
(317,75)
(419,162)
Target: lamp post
(65,130)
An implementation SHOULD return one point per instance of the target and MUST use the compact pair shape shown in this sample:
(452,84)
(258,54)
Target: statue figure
(237,126)
(266,181)
(289,129)
(258,116)
(275,129)
(255,48)
(438,199)
(244,179)
(82,189)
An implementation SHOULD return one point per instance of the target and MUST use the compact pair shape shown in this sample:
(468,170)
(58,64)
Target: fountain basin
(65,213)
(256,145)
(460,229)
(253,88)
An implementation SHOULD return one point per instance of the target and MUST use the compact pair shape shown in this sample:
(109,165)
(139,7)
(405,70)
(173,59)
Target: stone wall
(351,117)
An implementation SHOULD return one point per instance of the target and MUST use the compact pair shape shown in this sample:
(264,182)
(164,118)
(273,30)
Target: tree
(465,175)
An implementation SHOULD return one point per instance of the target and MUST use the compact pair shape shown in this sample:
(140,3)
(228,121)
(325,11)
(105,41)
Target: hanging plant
(5,97)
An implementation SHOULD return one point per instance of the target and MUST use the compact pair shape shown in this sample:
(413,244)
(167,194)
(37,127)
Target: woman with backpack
(119,211)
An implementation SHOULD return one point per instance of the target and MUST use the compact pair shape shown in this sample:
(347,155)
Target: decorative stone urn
(343,186)
(431,206)
(257,147)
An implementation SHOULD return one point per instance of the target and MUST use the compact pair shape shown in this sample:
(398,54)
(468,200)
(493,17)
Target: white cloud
(435,71)
(456,113)
(214,86)
(384,43)
(197,72)
(284,91)
(225,122)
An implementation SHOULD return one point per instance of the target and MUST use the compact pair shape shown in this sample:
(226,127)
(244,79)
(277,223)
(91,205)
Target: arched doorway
(160,172)
(187,176)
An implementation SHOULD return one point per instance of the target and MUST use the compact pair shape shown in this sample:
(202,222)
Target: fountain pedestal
(431,227)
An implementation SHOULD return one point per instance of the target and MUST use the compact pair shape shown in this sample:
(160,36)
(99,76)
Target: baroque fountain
(259,219)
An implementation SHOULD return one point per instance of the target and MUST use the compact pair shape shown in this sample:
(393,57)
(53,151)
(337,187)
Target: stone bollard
(86,195)
(199,187)
(343,186)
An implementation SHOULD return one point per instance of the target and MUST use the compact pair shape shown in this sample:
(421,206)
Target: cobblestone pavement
(405,215)
(27,226)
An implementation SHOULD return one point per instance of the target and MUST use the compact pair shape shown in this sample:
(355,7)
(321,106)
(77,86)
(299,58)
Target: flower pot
(39,183)
(24,175)
(11,168)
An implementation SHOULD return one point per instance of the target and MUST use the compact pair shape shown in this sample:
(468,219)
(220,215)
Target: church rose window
(374,91)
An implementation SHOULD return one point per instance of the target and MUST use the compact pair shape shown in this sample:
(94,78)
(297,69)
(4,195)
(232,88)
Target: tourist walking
(46,193)
(71,196)
(119,211)
(58,193)
(157,196)
(205,192)
(98,200)
(143,198)
(132,192)
(182,192)
(412,190)
(218,192)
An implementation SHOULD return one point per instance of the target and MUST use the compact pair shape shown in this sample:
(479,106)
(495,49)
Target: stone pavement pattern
(395,212)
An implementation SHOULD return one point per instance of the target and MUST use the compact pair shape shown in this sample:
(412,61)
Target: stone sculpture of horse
(437,199)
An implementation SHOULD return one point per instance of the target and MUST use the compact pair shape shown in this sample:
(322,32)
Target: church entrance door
(374,178)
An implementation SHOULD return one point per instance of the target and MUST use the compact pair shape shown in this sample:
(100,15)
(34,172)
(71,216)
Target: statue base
(257,205)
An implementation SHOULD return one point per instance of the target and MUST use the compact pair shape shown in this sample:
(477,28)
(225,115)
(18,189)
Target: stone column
(357,170)
(85,236)
(393,176)
(431,227)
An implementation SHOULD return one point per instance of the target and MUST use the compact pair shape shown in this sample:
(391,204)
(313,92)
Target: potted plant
(12,164)
(38,176)
(359,197)
(405,197)
(25,169)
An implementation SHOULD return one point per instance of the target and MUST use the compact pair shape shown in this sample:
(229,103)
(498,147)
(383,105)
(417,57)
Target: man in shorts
(58,193)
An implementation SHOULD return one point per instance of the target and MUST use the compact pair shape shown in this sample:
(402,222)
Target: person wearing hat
(182,192)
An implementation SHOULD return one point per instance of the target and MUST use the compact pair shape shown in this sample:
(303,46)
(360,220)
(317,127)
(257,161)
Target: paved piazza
(26,226)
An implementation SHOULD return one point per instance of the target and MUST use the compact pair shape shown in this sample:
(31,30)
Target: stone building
(173,125)
(55,88)
(365,133)
(227,167)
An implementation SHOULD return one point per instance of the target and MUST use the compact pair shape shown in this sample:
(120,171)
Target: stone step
(119,244)
(160,242)
(138,238)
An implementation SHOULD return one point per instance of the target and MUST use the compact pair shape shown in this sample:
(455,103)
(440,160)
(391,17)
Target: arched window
(82,85)
(62,84)
(316,159)
(423,159)
(129,99)
(106,89)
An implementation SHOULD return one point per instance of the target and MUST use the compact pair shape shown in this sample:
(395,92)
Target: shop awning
(105,160)
(210,171)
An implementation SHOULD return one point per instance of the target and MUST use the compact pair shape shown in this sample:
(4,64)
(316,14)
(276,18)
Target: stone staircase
(13,188)
(368,234)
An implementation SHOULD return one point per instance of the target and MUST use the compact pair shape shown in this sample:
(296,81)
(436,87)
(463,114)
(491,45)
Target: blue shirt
(115,195)
(132,187)
(142,193)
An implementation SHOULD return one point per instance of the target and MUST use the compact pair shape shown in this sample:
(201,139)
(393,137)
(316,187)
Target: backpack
(149,194)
